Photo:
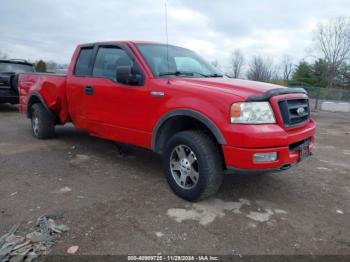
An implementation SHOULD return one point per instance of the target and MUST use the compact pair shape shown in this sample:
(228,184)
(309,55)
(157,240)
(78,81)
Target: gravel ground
(115,198)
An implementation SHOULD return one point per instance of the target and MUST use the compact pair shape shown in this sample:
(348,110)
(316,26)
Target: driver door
(114,110)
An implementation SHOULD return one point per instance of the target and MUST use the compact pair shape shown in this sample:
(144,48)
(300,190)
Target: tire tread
(210,154)
(46,122)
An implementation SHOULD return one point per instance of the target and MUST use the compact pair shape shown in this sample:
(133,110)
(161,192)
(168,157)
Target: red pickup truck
(168,99)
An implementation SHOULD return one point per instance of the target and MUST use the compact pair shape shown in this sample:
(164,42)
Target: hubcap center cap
(185,165)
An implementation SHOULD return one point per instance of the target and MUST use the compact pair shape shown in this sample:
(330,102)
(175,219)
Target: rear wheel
(43,126)
(193,165)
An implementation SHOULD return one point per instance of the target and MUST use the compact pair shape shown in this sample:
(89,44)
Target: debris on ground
(121,152)
(72,250)
(35,244)
(340,212)
(65,189)
(78,159)
(322,168)
(159,234)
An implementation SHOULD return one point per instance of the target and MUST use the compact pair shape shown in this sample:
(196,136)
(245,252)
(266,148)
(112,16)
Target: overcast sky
(50,29)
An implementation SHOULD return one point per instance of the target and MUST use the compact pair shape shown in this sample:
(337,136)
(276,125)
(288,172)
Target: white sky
(50,30)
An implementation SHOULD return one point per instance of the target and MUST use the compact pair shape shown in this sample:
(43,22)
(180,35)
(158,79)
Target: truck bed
(50,87)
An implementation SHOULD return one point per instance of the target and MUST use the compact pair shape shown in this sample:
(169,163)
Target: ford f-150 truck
(168,99)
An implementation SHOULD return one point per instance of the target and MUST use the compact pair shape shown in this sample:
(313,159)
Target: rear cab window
(83,65)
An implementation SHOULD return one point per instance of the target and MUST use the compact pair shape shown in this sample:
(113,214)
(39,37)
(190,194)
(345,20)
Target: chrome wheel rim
(184,167)
(35,124)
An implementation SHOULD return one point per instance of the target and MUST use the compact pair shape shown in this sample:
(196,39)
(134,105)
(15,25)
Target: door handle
(89,90)
(157,94)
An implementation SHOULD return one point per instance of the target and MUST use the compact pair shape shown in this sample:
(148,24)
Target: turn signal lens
(235,111)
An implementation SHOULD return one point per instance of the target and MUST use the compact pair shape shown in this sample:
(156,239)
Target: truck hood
(237,87)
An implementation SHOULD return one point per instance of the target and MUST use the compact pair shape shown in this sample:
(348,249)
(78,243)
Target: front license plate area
(304,151)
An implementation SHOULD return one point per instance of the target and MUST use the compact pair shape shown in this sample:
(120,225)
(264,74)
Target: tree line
(330,67)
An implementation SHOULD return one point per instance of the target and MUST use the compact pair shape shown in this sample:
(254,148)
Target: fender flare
(36,95)
(190,113)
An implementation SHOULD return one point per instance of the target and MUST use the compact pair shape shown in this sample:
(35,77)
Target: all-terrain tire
(43,125)
(208,165)
(14,83)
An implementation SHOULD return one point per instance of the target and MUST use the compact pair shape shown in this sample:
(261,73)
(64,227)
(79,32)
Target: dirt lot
(116,200)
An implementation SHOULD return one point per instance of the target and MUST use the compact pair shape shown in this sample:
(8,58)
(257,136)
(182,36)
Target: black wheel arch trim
(190,113)
(36,95)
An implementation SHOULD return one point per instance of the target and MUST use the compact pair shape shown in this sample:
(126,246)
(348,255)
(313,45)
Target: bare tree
(287,67)
(215,63)
(237,62)
(3,55)
(261,69)
(51,66)
(332,39)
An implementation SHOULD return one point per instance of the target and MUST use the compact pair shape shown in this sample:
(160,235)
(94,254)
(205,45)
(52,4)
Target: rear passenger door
(76,84)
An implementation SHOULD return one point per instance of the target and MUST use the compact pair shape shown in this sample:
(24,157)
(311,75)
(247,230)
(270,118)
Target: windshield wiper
(176,73)
(187,73)
(214,75)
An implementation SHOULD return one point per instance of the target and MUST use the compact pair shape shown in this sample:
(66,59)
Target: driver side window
(107,61)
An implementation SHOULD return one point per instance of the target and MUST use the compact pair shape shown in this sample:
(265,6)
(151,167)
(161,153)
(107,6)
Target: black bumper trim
(239,171)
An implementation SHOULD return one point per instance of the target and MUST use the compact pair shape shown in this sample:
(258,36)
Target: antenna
(167,37)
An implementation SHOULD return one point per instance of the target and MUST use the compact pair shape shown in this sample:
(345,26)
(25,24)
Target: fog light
(264,157)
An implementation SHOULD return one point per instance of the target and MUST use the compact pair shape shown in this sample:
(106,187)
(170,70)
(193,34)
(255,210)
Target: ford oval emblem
(301,111)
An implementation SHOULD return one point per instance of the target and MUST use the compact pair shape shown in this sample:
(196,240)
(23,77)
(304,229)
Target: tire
(193,165)
(43,126)
(14,83)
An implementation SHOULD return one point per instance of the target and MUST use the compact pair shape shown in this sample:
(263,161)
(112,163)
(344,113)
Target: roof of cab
(120,42)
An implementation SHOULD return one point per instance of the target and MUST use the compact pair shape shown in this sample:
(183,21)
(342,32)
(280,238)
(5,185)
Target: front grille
(294,111)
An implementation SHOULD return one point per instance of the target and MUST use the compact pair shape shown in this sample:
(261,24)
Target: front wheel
(43,126)
(193,165)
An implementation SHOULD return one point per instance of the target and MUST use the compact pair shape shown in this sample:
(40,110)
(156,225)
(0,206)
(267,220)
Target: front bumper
(283,142)
(7,96)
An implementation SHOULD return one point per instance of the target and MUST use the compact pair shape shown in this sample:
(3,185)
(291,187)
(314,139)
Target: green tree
(40,66)
(344,76)
(303,75)
(321,72)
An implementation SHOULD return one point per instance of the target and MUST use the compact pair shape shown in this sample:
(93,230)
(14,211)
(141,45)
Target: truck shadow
(8,108)
(148,165)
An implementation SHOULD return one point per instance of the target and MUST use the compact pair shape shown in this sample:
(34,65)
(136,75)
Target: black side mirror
(126,76)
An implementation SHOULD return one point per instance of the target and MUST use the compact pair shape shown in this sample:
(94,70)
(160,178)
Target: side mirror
(125,76)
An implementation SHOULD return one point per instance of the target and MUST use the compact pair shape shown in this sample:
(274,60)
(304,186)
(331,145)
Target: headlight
(252,113)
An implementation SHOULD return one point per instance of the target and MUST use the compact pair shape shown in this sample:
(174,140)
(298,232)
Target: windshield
(175,62)
(15,68)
